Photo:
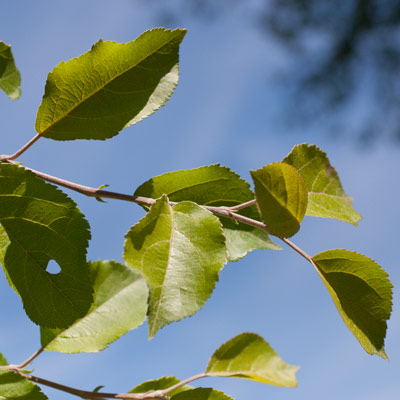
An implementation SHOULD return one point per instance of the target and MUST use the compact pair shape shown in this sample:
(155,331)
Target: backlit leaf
(214,185)
(110,87)
(362,293)
(15,387)
(179,250)
(10,78)
(249,356)
(201,394)
(281,197)
(43,224)
(326,197)
(160,384)
(120,304)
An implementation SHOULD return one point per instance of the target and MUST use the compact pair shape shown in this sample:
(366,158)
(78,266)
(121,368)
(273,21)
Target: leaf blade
(249,356)
(362,293)
(326,196)
(179,250)
(201,394)
(281,198)
(43,224)
(110,87)
(119,305)
(214,185)
(10,78)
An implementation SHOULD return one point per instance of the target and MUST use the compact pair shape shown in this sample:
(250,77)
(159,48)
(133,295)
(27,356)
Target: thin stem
(298,249)
(22,149)
(185,382)
(31,358)
(243,205)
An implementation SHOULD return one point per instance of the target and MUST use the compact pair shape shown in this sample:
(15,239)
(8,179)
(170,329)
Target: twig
(21,150)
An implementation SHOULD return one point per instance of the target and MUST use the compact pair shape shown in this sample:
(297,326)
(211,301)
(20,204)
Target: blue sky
(224,110)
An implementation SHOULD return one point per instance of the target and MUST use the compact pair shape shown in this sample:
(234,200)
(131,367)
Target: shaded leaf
(281,197)
(120,304)
(201,394)
(214,185)
(110,87)
(160,384)
(180,251)
(43,224)
(15,387)
(362,293)
(10,78)
(326,197)
(249,356)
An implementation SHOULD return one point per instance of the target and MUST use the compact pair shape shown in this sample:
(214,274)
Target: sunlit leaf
(160,384)
(249,356)
(326,197)
(362,293)
(15,387)
(214,185)
(201,394)
(120,304)
(43,224)
(179,250)
(110,87)
(10,78)
(281,197)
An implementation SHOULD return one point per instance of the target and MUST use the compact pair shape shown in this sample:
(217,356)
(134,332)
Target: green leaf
(249,356)
(362,293)
(10,78)
(43,224)
(180,251)
(214,186)
(15,387)
(326,197)
(120,304)
(160,384)
(201,394)
(110,87)
(281,197)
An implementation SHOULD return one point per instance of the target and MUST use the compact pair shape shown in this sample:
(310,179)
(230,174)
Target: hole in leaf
(53,267)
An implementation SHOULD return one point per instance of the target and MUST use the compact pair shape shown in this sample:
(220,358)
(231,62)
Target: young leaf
(10,78)
(43,224)
(281,197)
(214,185)
(180,251)
(362,293)
(326,197)
(201,394)
(120,304)
(15,387)
(110,87)
(160,384)
(249,356)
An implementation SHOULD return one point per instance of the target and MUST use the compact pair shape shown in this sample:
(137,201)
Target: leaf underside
(41,224)
(10,78)
(249,356)
(160,384)
(179,250)
(214,185)
(281,198)
(326,197)
(201,394)
(120,305)
(110,87)
(362,293)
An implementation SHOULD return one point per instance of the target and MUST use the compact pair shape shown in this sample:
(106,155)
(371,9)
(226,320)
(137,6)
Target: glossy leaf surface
(201,394)
(326,197)
(281,197)
(120,304)
(110,87)
(249,356)
(43,224)
(179,250)
(214,185)
(10,78)
(362,293)
(14,387)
